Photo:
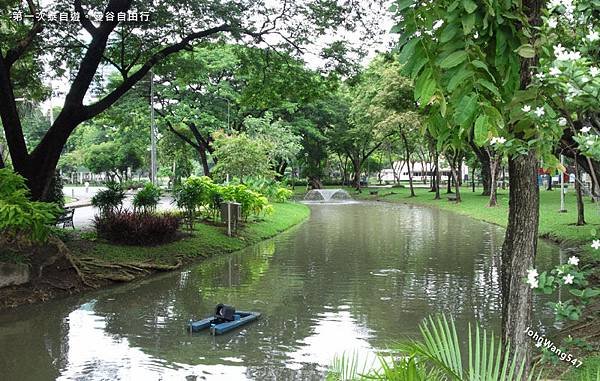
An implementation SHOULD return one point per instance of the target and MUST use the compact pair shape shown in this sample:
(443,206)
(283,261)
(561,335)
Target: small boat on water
(225,319)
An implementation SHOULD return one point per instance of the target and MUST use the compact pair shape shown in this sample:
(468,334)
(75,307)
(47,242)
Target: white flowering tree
(473,64)
(569,77)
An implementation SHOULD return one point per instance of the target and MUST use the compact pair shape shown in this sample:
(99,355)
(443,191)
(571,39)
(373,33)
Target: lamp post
(562,187)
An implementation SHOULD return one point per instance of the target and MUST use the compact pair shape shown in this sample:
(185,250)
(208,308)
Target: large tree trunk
(520,242)
(484,160)
(518,253)
(356,165)
(455,174)
(578,192)
(203,160)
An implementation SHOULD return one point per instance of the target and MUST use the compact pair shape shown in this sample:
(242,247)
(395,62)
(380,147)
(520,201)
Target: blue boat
(219,324)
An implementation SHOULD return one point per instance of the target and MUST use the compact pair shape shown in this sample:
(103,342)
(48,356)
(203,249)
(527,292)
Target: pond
(354,278)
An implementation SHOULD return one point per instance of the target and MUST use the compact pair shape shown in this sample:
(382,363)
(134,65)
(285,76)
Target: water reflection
(356,277)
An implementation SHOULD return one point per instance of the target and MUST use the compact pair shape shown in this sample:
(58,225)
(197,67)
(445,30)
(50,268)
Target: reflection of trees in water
(432,261)
(34,342)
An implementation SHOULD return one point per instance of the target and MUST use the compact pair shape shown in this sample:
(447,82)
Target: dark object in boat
(225,319)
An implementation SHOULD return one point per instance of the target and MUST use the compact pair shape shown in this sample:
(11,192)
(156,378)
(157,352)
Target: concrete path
(84,211)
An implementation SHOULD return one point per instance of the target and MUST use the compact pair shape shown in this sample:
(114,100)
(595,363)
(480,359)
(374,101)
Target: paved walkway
(84,211)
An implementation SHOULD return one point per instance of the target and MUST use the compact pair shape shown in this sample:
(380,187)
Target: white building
(419,172)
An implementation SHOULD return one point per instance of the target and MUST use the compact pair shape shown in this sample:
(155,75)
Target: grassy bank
(206,240)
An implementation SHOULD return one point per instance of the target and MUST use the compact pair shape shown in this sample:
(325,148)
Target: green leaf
(490,86)
(407,50)
(453,59)
(459,77)
(526,51)
(482,65)
(403,4)
(481,130)
(465,109)
(448,32)
(469,6)
(468,22)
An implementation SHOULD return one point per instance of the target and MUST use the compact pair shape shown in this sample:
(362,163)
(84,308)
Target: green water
(355,278)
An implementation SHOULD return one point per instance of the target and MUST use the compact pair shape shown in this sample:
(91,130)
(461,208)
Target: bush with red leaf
(131,228)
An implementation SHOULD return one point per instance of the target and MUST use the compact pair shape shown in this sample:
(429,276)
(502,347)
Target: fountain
(327,195)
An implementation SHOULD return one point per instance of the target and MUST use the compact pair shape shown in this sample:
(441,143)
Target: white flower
(573,261)
(584,79)
(596,244)
(585,130)
(526,108)
(418,33)
(562,121)
(593,36)
(558,49)
(568,279)
(540,76)
(533,283)
(574,55)
(438,24)
(498,140)
(552,22)
(555,71)
(594,71)
(539,111)
(532,274)
(476,35)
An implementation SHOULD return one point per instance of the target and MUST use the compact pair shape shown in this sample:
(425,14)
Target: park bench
(452,197)
(373,193)
(66,218)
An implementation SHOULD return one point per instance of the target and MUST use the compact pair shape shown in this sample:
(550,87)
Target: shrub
(252,202)
(133,184)
(283,195)
(147,198)
(198,195)
(131,228)
(109,200)
(18,214)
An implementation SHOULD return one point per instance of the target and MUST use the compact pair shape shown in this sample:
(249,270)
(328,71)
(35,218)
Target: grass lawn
(207,240)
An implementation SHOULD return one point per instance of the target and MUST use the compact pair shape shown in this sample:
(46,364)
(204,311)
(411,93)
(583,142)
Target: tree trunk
(549,182)
(473,179)
(578,192)
(203,160)
(449,185)
(455,174)
(407,160)
(438,177)
(494,185)
(356,164)
(518,254)
(315,182)
(484,161)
